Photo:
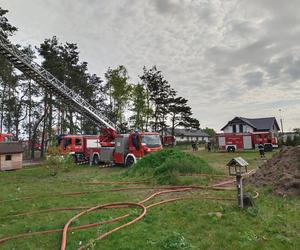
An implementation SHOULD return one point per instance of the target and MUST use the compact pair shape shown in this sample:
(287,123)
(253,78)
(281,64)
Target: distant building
(292,135)
(249,125)
(11,155)
(188,135)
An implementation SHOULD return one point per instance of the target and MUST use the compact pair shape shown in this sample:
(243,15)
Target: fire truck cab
(129,149)
(6,137)
(79,146)
(169,141)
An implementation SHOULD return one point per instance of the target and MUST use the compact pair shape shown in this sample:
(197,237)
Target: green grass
(219,160)
(273,224)
(164,167)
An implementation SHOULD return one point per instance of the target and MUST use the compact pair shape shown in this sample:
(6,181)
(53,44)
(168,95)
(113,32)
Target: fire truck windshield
(8,138)
(151,141)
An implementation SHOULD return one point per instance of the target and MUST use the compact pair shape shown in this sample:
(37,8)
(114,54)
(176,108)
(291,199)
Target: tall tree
(6,29)
(210,131)
(63,61)
(180,113)
(8,79)
(160,95)
(140,107)
(119,90)
(191,123)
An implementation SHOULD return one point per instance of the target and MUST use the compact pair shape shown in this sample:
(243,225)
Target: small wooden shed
(11,156)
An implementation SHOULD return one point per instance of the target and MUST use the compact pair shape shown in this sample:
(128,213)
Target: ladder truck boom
(110,147)
(34,71)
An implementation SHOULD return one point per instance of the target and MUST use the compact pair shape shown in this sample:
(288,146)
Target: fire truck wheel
(129,161)
(231,149)
(96,160)
(75,158)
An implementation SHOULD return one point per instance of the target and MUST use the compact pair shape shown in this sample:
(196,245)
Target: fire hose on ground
(140,204)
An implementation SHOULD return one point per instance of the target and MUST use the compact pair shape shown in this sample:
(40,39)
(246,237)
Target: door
(247,142)
(221,141)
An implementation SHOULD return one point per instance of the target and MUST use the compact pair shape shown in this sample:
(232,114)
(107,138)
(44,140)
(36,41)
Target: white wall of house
(181,138)
(192,138)
(246,128)
(228,129)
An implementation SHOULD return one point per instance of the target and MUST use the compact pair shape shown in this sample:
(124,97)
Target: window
(151,140)
(8,157)
(78,142)
(234,128)
(8,138)
(67,142)
(241,128)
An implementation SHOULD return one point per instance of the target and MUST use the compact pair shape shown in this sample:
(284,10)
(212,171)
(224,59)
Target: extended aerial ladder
(40,75)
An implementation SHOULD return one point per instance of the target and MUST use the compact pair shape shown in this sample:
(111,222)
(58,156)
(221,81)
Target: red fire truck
(6,137)
(240,141)
(169,141)
(110,147)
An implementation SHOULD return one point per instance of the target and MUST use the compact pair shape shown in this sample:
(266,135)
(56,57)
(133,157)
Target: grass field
(192,224)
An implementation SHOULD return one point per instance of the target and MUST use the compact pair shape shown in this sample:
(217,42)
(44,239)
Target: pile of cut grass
(165,166)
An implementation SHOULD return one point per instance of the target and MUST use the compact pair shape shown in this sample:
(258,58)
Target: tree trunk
(43,138)
(173,129)
(8,114)
(2,107)
(17,130)
(46,106)
(50,117)
(34,132)
(29,119)
(71,122)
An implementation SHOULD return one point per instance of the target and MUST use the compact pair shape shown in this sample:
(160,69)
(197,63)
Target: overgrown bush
(51,151)
(58,163)
(164,167)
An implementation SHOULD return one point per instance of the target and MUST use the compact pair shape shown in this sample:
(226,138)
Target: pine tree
(160,95)
(7,77)
(179,112)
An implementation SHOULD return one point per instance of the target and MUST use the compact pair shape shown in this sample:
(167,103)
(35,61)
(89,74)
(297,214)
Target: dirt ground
(281,172)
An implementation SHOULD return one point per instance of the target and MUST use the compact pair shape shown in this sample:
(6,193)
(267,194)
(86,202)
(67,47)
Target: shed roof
(10,148)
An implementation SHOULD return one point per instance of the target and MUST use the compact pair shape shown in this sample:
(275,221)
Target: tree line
(27,110)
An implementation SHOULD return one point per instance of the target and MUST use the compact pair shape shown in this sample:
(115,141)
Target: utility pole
(281,121)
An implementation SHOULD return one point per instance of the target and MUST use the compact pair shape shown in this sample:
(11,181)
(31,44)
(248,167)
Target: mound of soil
(281,172)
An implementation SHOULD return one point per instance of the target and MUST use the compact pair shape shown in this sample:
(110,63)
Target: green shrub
(57,163)
(164,167)
(174,241)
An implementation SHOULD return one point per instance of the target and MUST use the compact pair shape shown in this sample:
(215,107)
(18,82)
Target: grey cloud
(240,28)
(293,69)
(213,52)
(254,79)
(167,6)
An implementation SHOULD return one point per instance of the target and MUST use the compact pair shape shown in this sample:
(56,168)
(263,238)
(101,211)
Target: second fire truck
(241,141)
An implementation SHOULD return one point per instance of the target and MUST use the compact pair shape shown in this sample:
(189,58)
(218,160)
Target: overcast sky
(228,58)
